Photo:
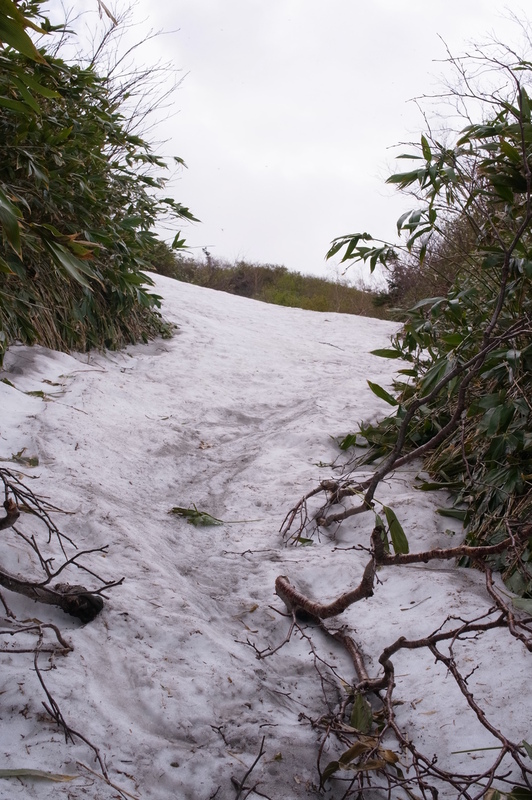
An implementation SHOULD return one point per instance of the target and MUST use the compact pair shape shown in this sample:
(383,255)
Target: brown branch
(105,778)
(507,611)
(74,600)
(415,644)
(450,664)
(297,602)
(475,553)
(240,784)
(12,514)
(39,627)
(31,503)
(269,651)
(55,712)
(354,651)
(289,518)
(425,770)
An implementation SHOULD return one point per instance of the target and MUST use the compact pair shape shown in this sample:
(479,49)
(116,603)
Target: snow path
(233,415)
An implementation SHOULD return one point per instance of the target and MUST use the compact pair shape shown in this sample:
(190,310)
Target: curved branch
(298,603)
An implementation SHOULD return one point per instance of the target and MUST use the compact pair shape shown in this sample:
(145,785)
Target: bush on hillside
(78,202)
(462,398)
(269,283)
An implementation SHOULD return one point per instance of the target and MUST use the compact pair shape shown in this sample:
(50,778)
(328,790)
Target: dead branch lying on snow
(377,752)
(21,503)
(74,599)
(297,602)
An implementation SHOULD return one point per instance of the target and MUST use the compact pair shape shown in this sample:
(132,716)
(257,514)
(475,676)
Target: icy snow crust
(234,415)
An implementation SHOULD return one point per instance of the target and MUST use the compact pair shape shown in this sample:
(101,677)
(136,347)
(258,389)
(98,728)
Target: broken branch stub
(74,600)
(12,514)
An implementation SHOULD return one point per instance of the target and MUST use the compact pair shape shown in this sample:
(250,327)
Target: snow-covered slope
(235,414)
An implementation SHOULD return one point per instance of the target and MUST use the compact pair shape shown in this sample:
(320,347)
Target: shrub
(269,283)
(78,203)
(463,397)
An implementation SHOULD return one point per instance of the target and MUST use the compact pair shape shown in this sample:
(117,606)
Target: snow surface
(236,414)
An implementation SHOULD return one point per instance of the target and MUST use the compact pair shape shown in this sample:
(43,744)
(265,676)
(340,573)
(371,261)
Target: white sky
(288,111)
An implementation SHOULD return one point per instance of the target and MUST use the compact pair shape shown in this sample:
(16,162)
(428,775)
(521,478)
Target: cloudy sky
(289,110)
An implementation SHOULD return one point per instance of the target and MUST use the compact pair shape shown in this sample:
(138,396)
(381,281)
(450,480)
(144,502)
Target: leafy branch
(461,407)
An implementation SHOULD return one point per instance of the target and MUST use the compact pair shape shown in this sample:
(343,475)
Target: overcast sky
(289,111)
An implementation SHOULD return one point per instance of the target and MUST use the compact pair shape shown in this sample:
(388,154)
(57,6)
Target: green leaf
(361,715)
(490,400)
(73,266)
(428,486)
(525,605)
(504,192)
(525,104)
(411,373)
(519,793)
(350,242)
(379,523)
(304,542)
(427,153)
(328,772)
(27,95)
(9,220)
(401,220)
(382,393)
(428,301)
(405,179)
(34,84)
(348,441)
(36,773)
(10,9)
(20,458)
(13,34)
(510,152)
(195,517)
(453,339)
(178,243)
(386,353)
(14,105)
(397,534)
(528,748)
(455,513)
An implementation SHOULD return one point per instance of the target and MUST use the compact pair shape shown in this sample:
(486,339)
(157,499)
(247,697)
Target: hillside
(237,416)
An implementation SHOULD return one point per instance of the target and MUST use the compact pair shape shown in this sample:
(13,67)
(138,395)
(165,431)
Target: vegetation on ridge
(269,283)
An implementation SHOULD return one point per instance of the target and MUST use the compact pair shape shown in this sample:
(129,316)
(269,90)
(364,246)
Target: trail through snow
(235,414)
